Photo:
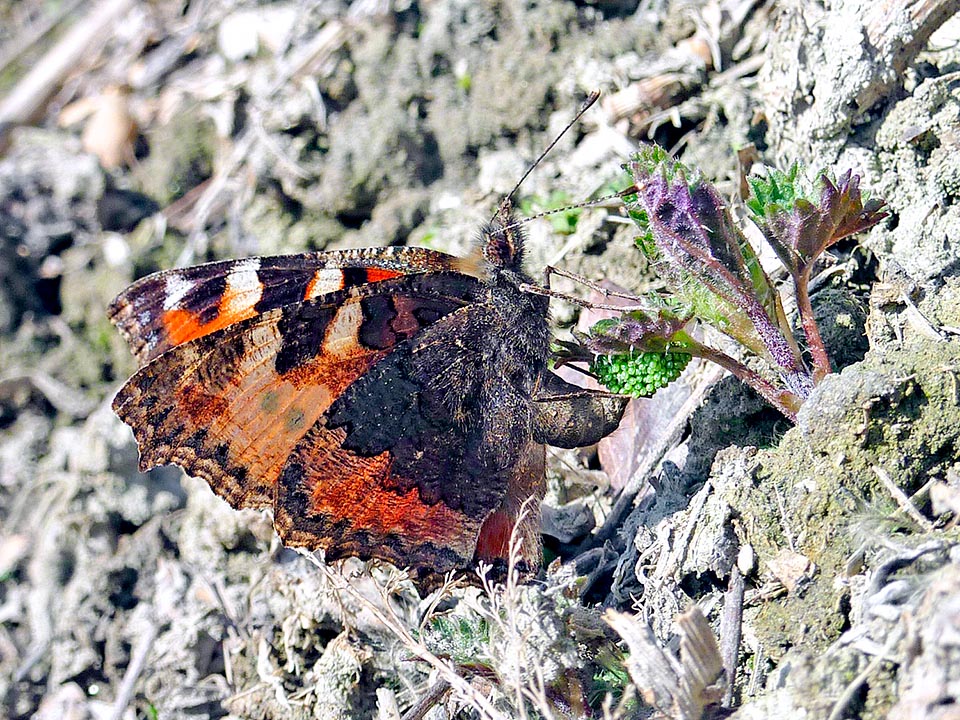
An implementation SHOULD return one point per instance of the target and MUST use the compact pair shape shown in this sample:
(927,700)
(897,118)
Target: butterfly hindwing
(356,505)
(413,463)
(231,406)
(173,307)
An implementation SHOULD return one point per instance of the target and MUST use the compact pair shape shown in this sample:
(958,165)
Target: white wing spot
(243,286)
(176,289)
(325,280)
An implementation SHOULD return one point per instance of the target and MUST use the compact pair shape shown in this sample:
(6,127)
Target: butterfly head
(502,239)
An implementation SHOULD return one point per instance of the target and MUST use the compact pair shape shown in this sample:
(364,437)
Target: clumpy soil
(199,131)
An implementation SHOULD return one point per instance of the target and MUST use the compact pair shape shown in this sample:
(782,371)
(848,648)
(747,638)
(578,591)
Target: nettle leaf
(690,234)
(637,330)
(777,191)
(800,228)
(697,244)
(844,204)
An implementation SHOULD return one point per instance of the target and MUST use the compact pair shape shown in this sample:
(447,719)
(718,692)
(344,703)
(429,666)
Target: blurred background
(137,136)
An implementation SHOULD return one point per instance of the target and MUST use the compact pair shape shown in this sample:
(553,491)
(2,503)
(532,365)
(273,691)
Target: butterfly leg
(537,290)
(587,282)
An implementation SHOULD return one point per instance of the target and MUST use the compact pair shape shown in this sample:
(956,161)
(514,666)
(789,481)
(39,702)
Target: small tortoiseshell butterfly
(386,403)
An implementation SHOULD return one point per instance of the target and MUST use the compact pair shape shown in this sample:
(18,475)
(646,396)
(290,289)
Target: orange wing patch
(346,504)
(170,308)
(380,274)
(224,400)
(236,302)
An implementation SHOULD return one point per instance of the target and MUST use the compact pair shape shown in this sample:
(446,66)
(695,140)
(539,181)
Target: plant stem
(785,401)
(821,362)
(784,354)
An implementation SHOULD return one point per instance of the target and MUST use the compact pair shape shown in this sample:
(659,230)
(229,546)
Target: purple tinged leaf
(801,234)
(851,215)
(800,231)
(637,331)
(693,231)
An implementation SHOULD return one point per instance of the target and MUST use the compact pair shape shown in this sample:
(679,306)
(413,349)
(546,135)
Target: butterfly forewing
(173,307)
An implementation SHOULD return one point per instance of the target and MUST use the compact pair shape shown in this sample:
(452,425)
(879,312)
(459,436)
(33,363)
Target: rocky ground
(823,556)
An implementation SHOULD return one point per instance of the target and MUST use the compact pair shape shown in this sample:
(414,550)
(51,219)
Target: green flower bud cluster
(637,373)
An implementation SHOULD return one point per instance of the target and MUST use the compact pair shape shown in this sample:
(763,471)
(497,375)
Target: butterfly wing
(414,464)
(230,406)
(173,307)
(347,415)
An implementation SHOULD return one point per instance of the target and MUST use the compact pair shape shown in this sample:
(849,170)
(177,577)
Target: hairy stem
(821,362)
(785,401)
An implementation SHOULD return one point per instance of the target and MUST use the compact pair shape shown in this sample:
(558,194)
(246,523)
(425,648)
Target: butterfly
(389,403)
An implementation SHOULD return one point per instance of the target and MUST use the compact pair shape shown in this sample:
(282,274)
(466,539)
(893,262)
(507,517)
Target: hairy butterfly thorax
(389,403)
(522,335)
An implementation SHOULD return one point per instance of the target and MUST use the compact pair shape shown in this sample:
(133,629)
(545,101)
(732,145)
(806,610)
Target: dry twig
(137,662)
(902,500)
(681,689)
(27,97)
(389,619)
(731,622)
(854,687)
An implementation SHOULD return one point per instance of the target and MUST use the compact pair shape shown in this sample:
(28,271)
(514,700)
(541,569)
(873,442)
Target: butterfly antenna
(587,104)
(632,190)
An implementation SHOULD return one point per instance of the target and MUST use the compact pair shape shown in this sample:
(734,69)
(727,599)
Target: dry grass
(515,674)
